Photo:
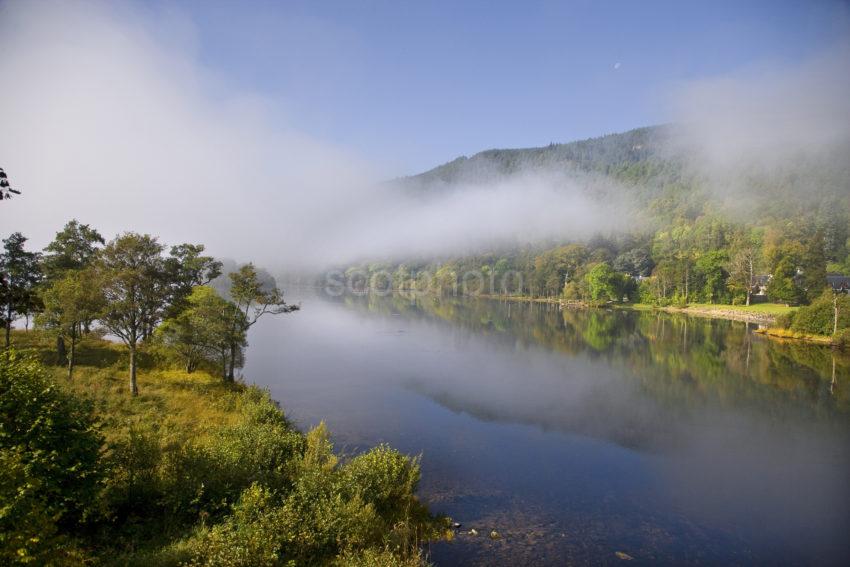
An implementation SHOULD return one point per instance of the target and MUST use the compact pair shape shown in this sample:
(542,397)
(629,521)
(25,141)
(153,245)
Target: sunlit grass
(179,404)
(763,308)
(772,309)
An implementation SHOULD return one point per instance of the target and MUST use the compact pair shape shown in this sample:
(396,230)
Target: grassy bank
(195,471)
(762,313)
(789,335)
(757,313)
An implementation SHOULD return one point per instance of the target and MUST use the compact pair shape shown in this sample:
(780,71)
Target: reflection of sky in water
(578,436)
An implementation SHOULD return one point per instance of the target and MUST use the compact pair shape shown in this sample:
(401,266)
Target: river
(580,436)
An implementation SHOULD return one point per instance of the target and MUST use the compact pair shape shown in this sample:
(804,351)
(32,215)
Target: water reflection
(680,362)
(579,433)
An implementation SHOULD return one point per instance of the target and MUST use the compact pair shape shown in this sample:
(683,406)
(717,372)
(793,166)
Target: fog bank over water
(109,116)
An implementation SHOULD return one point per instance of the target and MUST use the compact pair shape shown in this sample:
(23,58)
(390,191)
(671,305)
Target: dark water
(580,434)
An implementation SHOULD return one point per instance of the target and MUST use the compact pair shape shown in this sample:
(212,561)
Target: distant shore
(760,313)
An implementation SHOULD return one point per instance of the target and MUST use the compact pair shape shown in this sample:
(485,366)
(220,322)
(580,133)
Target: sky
(416,84)
(265,130)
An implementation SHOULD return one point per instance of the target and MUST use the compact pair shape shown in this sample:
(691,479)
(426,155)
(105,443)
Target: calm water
(579,434)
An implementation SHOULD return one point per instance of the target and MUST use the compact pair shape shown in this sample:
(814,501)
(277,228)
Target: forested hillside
(772,227)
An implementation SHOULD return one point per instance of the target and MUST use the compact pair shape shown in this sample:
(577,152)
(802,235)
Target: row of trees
(135,292)
(707,259)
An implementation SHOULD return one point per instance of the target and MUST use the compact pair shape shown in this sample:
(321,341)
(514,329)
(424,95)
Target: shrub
(49,456)
(841,339)
(248,537)
(785,320)
(207,476)
(384,478)
(818,318)
(28,532)
(54,435)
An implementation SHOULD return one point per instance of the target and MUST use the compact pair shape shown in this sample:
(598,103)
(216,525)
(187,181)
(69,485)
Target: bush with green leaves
(841,339)
(49,460)
(819,317)
(334,513)
(251,490)
(785,320)
(206,477)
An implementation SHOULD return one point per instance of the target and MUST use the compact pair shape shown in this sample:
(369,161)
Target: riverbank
(193,470)
(761,313)
(788,335)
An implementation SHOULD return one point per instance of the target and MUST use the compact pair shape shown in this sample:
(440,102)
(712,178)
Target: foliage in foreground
(192,472)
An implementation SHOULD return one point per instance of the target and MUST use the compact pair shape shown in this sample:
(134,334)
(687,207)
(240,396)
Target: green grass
(180,457)
(773,309)
(793,335)
(178,404)
(761,308)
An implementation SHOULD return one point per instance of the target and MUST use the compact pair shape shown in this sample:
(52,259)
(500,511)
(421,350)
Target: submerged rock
(495,535)
(473,532)
(623,556)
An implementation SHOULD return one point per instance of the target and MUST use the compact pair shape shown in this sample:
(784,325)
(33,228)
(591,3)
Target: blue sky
(413,84)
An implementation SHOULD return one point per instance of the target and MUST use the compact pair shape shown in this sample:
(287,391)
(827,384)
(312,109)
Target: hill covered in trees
(697,228)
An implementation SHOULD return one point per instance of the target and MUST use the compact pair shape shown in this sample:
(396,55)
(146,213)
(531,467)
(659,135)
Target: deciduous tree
(254,300)
(69,303)
(130,269)
(20,274)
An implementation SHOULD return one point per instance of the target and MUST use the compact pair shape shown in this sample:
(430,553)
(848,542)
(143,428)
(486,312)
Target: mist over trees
(687,238)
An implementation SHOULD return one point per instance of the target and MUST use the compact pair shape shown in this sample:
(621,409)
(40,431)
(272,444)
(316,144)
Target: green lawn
(765,308)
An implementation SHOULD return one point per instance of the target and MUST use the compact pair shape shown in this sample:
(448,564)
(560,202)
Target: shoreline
(727,312)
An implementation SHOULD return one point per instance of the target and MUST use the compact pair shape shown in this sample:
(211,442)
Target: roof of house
(838,282)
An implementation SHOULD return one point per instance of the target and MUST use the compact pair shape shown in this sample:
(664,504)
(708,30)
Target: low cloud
(107,115)
(109,119)
(765,119)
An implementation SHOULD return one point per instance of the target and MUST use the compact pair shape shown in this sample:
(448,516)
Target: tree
(6,190)
(206,329)
(254,300)
(185,268)
(782,286)
(73,248)
(20,273)
(130,269)
(713,275)
(635,262)
(554,267)
(813,265)
(604,283)
(746,254)
(70,303)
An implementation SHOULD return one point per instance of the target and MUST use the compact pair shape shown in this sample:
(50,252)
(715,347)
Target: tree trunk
(835,315)
(750,284)
(61,355)
(8,325)
(134,387)
(189,365)
(73,352)
(230,371)
(224,365)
